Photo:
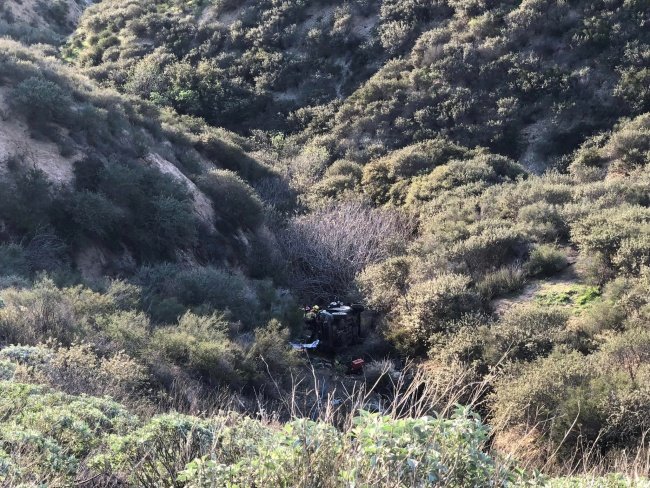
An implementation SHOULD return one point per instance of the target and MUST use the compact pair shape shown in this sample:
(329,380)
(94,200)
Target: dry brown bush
(328,248)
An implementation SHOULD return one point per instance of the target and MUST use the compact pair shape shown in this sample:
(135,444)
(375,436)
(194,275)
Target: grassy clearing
(576,296)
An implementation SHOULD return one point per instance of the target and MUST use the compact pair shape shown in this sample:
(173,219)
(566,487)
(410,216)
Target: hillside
(63,134)
(178,179)
(37,21)
(241,65)
(529,80)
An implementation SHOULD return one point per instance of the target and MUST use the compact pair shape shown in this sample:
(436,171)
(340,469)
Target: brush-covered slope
(476,172)
(135,232)
(527,79)
(245,64)
(84,167)
(39,21)
(69,439)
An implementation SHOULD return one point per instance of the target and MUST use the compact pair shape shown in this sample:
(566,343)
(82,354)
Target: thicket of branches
(328,248)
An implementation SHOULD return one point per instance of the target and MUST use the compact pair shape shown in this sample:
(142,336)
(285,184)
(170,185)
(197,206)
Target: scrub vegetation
(177,178)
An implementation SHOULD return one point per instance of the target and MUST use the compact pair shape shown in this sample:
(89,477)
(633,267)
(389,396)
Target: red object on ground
(357,364)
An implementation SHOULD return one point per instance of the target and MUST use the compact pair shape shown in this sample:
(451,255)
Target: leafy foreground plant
(49,438)
(376,451)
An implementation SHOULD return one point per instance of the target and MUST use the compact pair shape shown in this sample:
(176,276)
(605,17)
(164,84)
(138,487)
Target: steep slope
(97,168)
(527,79)
(574,349)
(37,21)
(244,65)
(426,157)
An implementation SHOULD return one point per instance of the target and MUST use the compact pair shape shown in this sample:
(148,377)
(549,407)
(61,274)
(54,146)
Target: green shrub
(217,362)
(13,260)
(594,268)
(505,280)
(159,450)
(384,283)
(588,161)
(332,188)
(26,202)
(551,190)
(604,232)
(151,211)
(235,202)
(52,433)
(551,394)
(31,316)
(545,260)
(264,259)
(124,331)
(489,248)
(13,281)
(633,87)
(344,167)
(124,295)
(172,225)
(429,307)
(376,451)
(30,356)
(71,314)
(217,289)
(472,344)
(543,222)
(165,310)
(219,147)
(482,170)
(388,178)
(56,12)
(377,181)
(78,369)
(410,436)
(571,398)
(88,214)
(7,370)
(629,145)
(41,100)
(633,254)
(526,332)
(271,354)
(577,296)
(200,343)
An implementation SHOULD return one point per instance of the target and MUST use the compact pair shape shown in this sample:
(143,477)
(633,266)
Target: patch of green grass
(588,295)
(578,297)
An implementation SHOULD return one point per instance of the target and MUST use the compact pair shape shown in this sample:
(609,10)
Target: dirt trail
(566,277)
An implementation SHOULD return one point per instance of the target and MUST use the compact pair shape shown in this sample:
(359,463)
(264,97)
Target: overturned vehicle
(338,325)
